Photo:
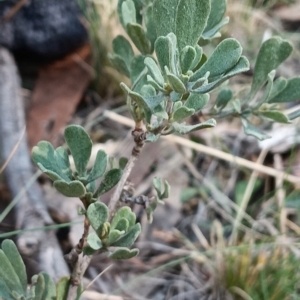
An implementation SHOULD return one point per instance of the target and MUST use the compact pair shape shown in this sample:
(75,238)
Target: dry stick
(78,261)
(246,198)
(211,151)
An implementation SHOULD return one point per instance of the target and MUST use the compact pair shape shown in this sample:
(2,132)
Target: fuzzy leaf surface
(182,113)
(139,38)
(62,288)
(111,178)
(124,253)
(129,238)
(224,97)
(182,128)
(250,129)
(271,54)
(80,146)
(97,214)
(124,213)
(275,115)
(94,241)
(290,93)
(74,188)
(13,255)
(225,56)
(99,166)
(196,101)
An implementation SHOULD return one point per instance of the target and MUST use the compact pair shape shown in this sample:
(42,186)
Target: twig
(139,136)
(78,261)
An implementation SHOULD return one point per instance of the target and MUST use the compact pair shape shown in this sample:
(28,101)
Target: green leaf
(12,253)
(293,115)
(187,56)
(250,129)
(185,18)
(196,101)
(176,84)
(94,241)
(182,113)
(150,25)
(39,283)
(113,236)
(124,253)
(5,293)
(290,93)
(8,274)
(123,49)
(266,95)
(97,214)
(218,9)
(162,188)
(111,178)
(138,73)
(87,250)
(50,288)
(62,160)
(198,57)
(271,54)
(182,128)
(275,115)
(62,288)
(138,8)
(123,213)
(80,146)
(278,86)
(223,98)
(99,166)
(154,70)
(139,38)
(45,158)
(128,12)
(119,64)
(151,137)
(241,66)
(225,56)
(129,238)
(123,162)
(70,189)
(122,225)
(162,50)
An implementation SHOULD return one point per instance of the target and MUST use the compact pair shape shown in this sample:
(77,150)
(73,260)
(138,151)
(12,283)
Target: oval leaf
(196,101)
(80,146)
(99,166)
(97,214)
(93,241)
(129,238)
(124,253)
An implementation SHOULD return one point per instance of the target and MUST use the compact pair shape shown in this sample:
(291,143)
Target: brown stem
(139,136)
(79,262)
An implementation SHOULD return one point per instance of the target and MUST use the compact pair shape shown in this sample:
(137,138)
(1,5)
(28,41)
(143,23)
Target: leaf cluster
(80,182)
(172,76)
(13,279)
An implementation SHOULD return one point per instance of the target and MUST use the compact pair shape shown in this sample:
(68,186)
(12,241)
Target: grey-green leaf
(119,64)
(250,129)
(124,212)
(290,93)
(196,101)
(162,50)
(129,238)
(114,235)
(39,287)
(5,292)
(111,178)
(128,12)
(139,38)
(123,49)
(271,54)
(225,56)
(62,288)
(278,86)
(154,70)
(176,84)
(275,115)
(62,159)
(13,255)
(124,253)
(8,274)
(99,166)
(223,98)
(80,146)
(187,56)
(74,188)
(182,113)
(182,128)
(150,25)
(94,241)
(185,18)
(50,289)
(97,214)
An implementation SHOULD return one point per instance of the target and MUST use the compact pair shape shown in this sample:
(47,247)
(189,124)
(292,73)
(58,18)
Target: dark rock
(42,29)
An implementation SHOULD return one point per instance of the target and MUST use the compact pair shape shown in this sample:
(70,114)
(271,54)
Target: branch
(139,136)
